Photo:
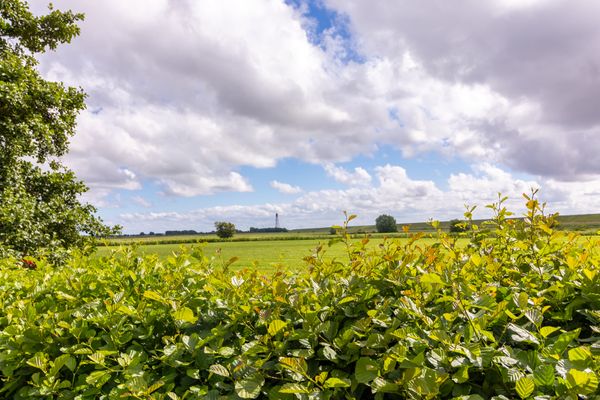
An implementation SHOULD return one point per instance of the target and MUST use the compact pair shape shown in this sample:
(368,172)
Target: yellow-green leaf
(152,295)
(275,326)
(218,369)
(546,331)
(336,383)
(525,387)
(185,314)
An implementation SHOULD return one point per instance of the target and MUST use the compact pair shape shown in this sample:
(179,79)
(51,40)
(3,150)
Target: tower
(276,220)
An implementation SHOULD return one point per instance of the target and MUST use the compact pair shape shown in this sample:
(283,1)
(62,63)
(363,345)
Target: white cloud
(226,84)
(392,192)
(514,82)
(139,200)
(359,177)
(285,187)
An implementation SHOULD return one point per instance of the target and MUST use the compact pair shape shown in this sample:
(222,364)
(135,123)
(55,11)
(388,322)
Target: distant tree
(457,226)
(266,230)
(224,229)
(386,223)
(332,231)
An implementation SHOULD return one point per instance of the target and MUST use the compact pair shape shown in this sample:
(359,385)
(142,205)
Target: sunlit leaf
(525,387)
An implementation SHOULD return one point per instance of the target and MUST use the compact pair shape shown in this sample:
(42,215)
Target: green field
(265,255)
(268,251)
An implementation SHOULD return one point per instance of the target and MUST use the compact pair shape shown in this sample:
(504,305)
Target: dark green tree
(385,224)
(224,230)
(457,226)
(39,197)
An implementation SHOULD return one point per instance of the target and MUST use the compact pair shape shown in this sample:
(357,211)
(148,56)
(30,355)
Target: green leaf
(226,351)
(380,385)
(185,314)
(39,361)
(366,370)
(585,382)
(521,334)
(249,388)
(543,375)
(97,378)
(534,316)
(347,299)
(525,387)
(293,388)
(152,295)
(546,331)
(462,375)
(329,353)
(218,369)
(275,326)
(432,278)
(579,354)
(563,341)
(336,383)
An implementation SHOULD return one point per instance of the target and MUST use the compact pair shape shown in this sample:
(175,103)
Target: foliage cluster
(386,224)
(267,230)
(39,197)
(457,226)
(513,314)
(224,230)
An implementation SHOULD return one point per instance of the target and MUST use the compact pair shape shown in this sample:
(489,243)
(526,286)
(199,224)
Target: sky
(207,110)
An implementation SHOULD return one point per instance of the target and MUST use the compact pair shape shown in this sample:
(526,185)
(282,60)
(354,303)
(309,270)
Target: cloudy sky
(206,110)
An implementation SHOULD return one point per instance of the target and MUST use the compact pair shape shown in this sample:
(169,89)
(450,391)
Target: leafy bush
(515,313)
(224,229)
(386,224)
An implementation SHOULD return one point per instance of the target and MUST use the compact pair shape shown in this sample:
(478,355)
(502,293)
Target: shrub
(385,224)
(513,313)
(224,229)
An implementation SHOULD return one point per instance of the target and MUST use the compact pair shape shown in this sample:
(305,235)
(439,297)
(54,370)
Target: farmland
(265,253)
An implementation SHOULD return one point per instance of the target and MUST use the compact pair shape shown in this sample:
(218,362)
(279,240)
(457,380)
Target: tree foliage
(224,230)
(386,223)
(456,226)
(39,197)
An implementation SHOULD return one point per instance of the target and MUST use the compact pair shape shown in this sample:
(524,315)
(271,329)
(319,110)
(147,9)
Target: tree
(224,229)
(386,223)
(457,226)
(39,197)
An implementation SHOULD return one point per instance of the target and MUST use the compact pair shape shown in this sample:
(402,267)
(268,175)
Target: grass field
(585,223)
(267,251)
(265,255)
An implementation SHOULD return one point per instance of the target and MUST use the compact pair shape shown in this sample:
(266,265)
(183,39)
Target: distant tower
(276,220)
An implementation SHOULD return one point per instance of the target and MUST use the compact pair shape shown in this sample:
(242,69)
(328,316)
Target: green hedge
(513,314)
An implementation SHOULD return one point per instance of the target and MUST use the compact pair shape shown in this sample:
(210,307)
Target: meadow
(265,253)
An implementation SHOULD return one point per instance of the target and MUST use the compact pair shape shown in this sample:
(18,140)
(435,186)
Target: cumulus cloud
(357,178)
(285,187)
(224,84)
(534,64)
(227,84)
(392,191)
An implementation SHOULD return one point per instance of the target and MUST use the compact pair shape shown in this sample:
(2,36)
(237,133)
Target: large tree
(386,224)
(40,205)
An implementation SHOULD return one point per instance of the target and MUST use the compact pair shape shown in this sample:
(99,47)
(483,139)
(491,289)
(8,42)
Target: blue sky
(238,110)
